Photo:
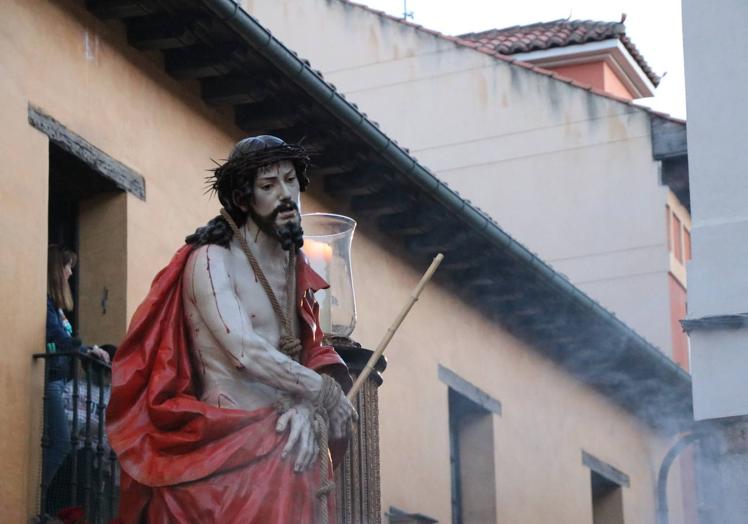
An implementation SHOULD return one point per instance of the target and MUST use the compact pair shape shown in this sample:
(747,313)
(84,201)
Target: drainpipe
(681,444)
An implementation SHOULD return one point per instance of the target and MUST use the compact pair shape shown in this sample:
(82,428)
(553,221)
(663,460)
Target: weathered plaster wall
(56,56)
(548,417)
(568,173)
(23,207)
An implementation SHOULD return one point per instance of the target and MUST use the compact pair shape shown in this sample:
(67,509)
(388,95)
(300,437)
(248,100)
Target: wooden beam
(357,182)
(191,63)
(383,203)
(467,262)
(317,142)
(110,9)
(437,240)
(409,223)
(340,160)
(118,173)
(228,90)
(483,284)
(267,117)
(159,33)
(332,168)
(497,300)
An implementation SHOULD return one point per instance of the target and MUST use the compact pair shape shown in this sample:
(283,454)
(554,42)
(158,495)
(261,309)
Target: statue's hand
(341,417)
(300,417)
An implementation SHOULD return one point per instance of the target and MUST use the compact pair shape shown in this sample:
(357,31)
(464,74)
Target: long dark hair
(57,285)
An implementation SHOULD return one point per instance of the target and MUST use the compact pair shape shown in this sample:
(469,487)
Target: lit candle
(320,256)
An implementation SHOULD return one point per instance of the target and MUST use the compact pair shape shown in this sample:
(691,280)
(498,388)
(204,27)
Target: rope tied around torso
(291,346)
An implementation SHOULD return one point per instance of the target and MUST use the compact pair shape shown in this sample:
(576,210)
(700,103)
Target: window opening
(607,500)
(607,485)
(86,213)
(473,476)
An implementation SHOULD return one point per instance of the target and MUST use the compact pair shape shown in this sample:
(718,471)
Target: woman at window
(59,333)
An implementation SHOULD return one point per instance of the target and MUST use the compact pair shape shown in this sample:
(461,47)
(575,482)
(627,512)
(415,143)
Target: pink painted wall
(678,313)
(596,74)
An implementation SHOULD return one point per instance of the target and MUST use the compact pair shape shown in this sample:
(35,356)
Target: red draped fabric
(185,461)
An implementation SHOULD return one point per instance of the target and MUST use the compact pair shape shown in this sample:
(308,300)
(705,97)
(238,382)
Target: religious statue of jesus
(223,394)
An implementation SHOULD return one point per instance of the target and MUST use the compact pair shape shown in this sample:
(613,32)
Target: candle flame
(317,251)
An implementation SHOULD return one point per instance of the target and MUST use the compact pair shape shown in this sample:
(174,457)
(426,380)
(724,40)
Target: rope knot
(290,346)
(325,489)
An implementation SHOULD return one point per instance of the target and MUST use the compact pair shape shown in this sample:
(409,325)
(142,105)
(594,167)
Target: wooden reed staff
(393,328)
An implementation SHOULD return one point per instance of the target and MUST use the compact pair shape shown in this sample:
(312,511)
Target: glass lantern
(327,245)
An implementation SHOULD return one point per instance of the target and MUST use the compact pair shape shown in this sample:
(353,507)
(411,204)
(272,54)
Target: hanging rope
(289,343)
(326,400)
(329,393)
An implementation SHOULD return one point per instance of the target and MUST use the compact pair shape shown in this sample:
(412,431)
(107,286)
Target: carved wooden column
(357,478)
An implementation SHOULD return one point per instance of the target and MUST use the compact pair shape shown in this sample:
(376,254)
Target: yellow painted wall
(548,416)
(23,230)
(79,70)
(102,268)
(56,56)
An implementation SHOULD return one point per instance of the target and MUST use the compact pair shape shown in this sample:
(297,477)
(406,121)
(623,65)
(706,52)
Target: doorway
(87,214)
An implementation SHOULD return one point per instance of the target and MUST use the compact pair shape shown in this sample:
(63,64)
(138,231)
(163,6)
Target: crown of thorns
(234,171)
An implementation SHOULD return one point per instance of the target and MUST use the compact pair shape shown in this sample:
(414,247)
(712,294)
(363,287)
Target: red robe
(185,461)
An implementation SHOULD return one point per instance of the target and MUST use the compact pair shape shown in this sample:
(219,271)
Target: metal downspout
(662,505)
(260,39)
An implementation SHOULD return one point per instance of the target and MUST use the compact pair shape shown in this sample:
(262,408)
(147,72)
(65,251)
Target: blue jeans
(56,430)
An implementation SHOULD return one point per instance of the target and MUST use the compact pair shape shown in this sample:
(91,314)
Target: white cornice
(612,51)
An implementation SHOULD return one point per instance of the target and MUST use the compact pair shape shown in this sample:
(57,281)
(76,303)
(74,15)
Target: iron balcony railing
(87,476)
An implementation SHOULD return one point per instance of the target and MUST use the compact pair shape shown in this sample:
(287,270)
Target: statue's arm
(209,287)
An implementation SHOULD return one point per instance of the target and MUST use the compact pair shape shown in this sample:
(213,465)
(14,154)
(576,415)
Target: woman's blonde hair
(57,285)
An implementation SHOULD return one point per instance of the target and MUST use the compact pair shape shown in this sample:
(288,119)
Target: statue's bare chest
(252,295)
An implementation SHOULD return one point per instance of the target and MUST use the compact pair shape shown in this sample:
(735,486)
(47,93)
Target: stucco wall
(719,187)
(56,56)
(547,416)
(568,173)
(23,201)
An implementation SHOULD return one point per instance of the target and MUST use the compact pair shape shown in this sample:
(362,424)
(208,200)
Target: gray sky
(653,25)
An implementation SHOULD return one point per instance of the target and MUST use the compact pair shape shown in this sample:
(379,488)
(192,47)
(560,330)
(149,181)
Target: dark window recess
(71,182)
(607,485)
(472,461)
(607,500)
(78,466)
(399,516)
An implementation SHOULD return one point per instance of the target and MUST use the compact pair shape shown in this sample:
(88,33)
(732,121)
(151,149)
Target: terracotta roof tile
(477,46)
(558,33)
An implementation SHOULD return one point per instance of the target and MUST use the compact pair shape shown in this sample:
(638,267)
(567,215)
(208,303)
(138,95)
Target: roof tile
(558,33)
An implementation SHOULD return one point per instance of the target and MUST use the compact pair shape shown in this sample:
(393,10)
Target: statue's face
(276,195)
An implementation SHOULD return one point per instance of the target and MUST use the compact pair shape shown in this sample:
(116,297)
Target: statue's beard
(289,235)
